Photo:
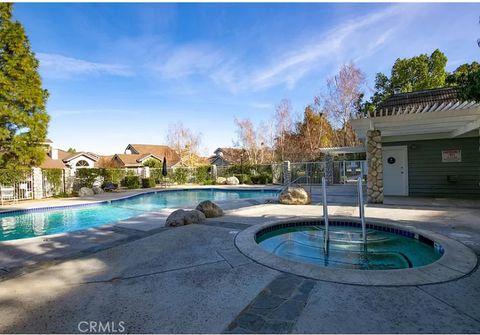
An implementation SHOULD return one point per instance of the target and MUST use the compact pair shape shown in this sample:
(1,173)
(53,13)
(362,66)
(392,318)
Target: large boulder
(220,181)
(85,192)
(232,181)
(182,217)
(294,196)
(210,209)
(97,190)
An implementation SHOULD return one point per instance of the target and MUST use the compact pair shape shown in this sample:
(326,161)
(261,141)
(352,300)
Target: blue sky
(121,73)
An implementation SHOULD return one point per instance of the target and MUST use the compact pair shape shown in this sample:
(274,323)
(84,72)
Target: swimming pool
(38,222)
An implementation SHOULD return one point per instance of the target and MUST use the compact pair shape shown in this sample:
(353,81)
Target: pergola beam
(466,128)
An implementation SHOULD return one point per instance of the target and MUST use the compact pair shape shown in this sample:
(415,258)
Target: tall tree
(23,118)
(248,138)
(419,72)
(282,120)
(313,132)
(467,78)
(185,142)
(345,91)
(409,74)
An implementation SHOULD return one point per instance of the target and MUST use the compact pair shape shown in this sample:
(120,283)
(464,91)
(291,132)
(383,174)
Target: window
(82,163)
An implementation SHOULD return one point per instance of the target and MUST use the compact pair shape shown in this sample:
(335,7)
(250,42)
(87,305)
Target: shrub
(114,176)
(240,169)
(153,163)
(148,182)
(255,179)
(156,175)
(244,178)
(180,175)
(132,181)
(54,178)
(266,178)
(86,177)
(209,182)
(12,176)
(263,178)
(202,174)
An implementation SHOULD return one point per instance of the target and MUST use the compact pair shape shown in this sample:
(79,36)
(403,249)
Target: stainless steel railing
(361,209)
(326,235)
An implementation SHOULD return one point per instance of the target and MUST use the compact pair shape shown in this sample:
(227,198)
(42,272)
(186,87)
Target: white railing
(22,190)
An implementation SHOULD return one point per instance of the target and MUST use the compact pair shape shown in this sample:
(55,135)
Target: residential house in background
(228,156)
(60,159)
(135,155)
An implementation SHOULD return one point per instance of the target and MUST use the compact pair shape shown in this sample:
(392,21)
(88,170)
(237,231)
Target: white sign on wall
(451,156)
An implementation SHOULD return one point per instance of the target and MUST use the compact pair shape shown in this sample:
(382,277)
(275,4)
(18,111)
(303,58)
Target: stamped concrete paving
(193,279)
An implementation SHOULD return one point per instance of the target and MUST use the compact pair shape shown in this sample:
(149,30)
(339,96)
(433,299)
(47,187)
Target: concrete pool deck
(193,279)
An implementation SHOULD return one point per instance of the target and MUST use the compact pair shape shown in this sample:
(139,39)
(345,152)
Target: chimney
(53,153)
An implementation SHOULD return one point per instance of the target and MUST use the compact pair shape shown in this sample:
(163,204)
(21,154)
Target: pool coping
(456,262)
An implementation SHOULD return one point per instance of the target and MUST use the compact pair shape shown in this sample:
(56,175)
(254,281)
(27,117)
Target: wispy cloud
(187,60)
(59,66)
(185,67)
(351,39)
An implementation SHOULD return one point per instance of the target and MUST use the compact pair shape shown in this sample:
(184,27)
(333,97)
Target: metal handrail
(361,207)
(326,235)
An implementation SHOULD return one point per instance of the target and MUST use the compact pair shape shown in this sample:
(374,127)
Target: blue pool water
(384,250)
(36,223)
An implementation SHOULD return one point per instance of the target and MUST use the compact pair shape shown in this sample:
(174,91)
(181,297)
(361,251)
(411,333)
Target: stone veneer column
(375,167)
(37,183)
(286,173)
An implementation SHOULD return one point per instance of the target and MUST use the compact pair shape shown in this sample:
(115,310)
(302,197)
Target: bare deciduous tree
(283,124)
(344,91)
(185,142)
(255,141)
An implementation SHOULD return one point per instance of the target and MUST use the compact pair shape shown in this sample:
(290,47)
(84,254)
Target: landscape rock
(182,217)
(210,209)
(232,181)
(294,196)
(85,192)
(220,181)
(97,190)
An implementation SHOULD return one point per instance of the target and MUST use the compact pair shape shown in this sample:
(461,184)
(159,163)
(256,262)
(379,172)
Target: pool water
(384,250)
(46,222)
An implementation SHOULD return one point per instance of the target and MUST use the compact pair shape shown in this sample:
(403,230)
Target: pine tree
(23,118)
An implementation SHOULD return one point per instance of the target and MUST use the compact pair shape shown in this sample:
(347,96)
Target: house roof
(129,160)
(229,155)
(159,151)
(67,156)
(425,101)
(49,163)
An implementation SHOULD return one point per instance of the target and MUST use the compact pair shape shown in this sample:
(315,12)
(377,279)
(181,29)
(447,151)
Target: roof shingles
(417,100)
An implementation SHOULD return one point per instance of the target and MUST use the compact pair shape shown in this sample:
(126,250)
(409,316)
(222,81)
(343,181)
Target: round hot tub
(393,255)
(385,248)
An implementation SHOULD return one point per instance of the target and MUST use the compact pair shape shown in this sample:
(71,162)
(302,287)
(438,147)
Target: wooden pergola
(431,120)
